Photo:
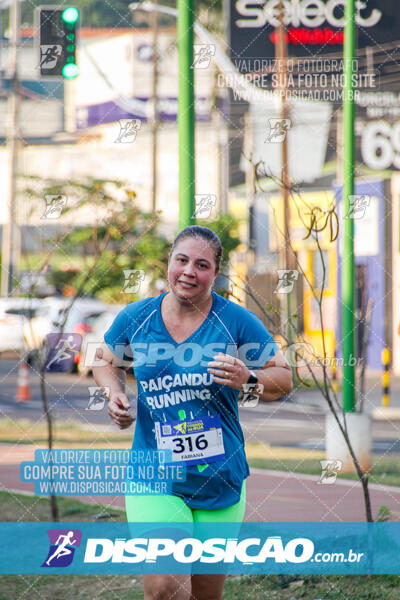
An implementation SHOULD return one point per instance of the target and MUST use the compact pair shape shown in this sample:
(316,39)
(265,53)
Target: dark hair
(204,233)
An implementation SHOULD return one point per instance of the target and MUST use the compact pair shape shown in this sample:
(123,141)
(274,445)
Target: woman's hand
(275,376)
(118,409)
(229,370)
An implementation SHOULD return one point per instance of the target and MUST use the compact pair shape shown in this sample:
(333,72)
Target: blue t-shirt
(176,394)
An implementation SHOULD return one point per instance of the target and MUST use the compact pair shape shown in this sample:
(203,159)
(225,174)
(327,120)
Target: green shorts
(165,508)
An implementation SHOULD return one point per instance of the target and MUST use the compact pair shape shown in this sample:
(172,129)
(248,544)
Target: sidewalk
(271,495)
(372,403)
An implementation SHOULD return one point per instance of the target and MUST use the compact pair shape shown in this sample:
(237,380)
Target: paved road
(297,422)
(271,495)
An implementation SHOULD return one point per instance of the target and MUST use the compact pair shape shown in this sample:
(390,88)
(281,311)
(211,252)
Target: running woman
(193,351)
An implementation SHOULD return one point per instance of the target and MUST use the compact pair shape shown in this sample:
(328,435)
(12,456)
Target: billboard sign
(312,27)
(315,66)
(377,129)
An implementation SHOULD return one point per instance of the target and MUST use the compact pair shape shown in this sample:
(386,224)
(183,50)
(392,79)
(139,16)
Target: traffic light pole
(348,345)
(186,113)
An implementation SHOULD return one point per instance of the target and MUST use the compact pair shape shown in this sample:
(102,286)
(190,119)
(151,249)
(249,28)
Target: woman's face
(192,269)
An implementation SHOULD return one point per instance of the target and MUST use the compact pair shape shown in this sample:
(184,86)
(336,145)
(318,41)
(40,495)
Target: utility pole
(250,181)
(8,267)
(1,46)
(348,341)
(154,20)
(287,258)
(223,162)
(186,113)
(339,145)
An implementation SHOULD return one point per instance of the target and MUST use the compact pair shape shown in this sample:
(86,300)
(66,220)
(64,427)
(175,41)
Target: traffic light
(57,41)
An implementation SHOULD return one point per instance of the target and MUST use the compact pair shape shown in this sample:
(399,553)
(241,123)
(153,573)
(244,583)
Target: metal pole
(287,259)
(8,267)
(1,47)
(250,185)
(385,376)
(186,113)
(348,340)
(154,16)
(223,163)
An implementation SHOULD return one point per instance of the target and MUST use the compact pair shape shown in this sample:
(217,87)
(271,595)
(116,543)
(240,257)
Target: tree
(118,237)
(299,353)
(114,239)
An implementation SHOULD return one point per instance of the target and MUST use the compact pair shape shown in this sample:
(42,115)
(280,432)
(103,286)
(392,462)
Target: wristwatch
(253,378)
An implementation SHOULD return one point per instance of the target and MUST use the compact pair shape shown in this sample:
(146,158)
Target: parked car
(14,315)
(57,313)
(36,284)
(97,326)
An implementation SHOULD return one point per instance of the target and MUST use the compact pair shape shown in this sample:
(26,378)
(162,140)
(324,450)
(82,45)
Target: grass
(130,587)
(260,587)
(313,587)
(78,587)
(67,434)
(21,507)
(72,434)
(385,470)
(56,260)
(281,454)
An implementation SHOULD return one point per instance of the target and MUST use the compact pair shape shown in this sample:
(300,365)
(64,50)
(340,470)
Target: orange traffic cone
(23,391)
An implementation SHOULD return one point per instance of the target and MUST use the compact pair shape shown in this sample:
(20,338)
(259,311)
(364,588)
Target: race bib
(192,442)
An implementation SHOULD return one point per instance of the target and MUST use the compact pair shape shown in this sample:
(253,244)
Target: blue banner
(248,548)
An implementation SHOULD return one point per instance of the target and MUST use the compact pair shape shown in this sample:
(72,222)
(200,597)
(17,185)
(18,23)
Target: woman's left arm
(275,376)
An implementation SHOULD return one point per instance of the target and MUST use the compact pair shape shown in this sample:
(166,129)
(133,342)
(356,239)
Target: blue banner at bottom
(245,548)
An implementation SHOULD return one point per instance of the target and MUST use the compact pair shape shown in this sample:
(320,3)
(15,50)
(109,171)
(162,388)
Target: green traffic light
(70,71)
(70,15)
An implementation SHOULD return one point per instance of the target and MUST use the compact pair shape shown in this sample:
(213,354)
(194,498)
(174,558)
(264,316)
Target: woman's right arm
(111,377)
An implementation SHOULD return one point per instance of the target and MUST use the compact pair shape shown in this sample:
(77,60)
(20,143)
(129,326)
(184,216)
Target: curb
(394,489)
(386,413)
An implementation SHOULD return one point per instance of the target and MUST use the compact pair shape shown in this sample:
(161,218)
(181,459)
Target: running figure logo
(133,280)
(251,394)
(204,205)
(330,470)
(286,281)
(203,54)
(278,129)
(62,350)
(62,547)
(54,206)
(181,427)
(49,55)
(128,129)
(358,204)
(98,396)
